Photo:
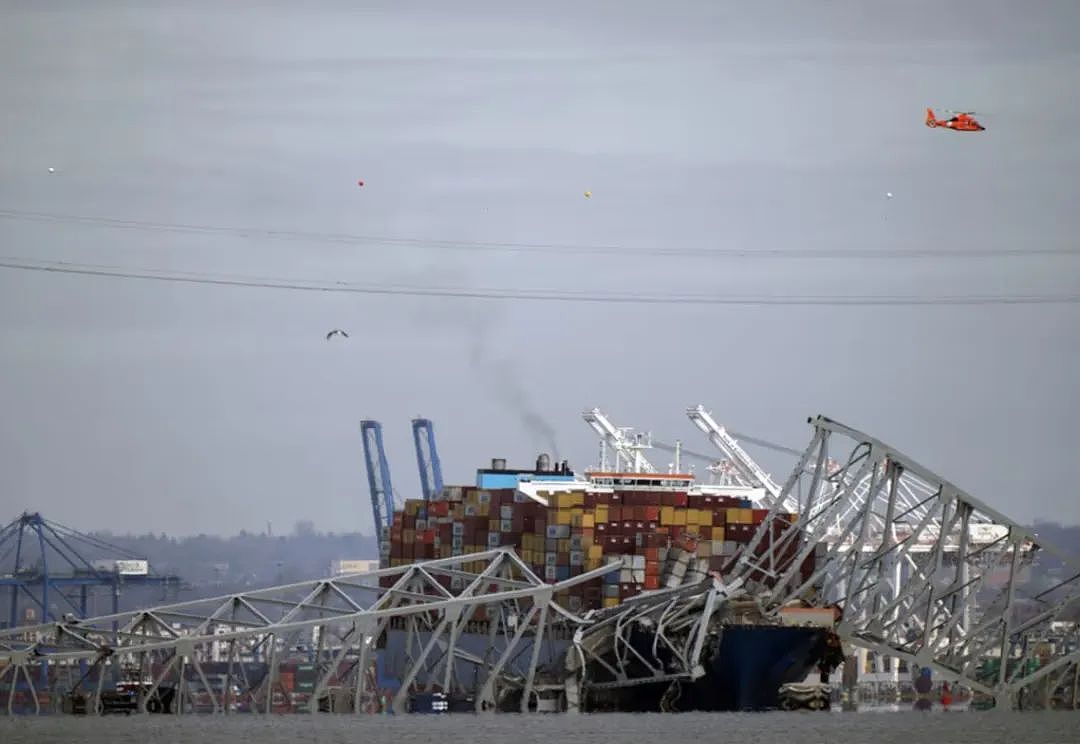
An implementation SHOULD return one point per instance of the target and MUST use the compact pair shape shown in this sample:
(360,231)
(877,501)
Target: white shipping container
(132,567)
(341,567)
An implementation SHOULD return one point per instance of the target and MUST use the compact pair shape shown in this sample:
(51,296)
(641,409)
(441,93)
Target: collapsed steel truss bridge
(919,569)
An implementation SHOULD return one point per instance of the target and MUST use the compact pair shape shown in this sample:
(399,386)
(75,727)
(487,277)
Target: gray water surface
(908,727)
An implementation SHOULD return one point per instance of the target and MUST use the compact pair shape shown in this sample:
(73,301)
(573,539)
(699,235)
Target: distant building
(342,567)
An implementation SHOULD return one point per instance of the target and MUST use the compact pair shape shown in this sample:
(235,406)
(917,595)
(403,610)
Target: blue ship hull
(744,674)
(755,660)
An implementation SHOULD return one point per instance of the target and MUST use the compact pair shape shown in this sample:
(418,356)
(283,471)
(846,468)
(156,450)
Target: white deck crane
(627,445)
(748,471)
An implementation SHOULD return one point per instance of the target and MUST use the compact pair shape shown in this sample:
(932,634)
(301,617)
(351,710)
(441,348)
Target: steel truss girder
(921,570)
(352,608)
(679,620)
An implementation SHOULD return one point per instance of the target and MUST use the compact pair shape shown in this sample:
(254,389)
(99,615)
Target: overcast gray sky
(146,406)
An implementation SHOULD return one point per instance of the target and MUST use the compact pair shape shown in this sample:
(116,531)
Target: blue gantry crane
(53,569)
(378,473)
(427,458)
(378,469)
(50,569)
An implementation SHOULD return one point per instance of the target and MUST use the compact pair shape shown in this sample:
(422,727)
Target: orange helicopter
(961,121)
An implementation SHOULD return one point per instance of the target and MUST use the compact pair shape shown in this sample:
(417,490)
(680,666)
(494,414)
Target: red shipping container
(652,514)
(759,515)
(652,582)
(679,500)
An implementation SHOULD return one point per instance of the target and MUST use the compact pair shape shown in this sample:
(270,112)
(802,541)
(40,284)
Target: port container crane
(427,458)
(54,569)
(378,473)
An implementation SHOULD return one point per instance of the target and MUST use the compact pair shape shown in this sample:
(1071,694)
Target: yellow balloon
(588,194)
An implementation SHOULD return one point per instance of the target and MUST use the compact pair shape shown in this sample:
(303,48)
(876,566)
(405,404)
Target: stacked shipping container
(661,537)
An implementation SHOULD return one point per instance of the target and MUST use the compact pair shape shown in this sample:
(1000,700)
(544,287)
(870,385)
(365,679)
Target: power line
(543,248)
(543,295)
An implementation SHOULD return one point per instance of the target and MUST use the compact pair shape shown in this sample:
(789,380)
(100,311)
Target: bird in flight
(335,332)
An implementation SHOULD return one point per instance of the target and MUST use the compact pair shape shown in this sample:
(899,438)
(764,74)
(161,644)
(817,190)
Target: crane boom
(427,458)
(378,472)
(616,438)
(745,464)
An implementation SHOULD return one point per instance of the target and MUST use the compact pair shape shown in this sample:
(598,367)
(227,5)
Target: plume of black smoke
(498,374)
(503,380)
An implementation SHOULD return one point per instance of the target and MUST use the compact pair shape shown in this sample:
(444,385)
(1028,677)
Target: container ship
(665,529)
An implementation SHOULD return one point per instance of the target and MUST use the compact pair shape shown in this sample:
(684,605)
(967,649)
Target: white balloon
(52,170)
(888,195)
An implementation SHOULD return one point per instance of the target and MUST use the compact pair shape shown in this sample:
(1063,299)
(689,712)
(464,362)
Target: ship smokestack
(543,463)
(498,463)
